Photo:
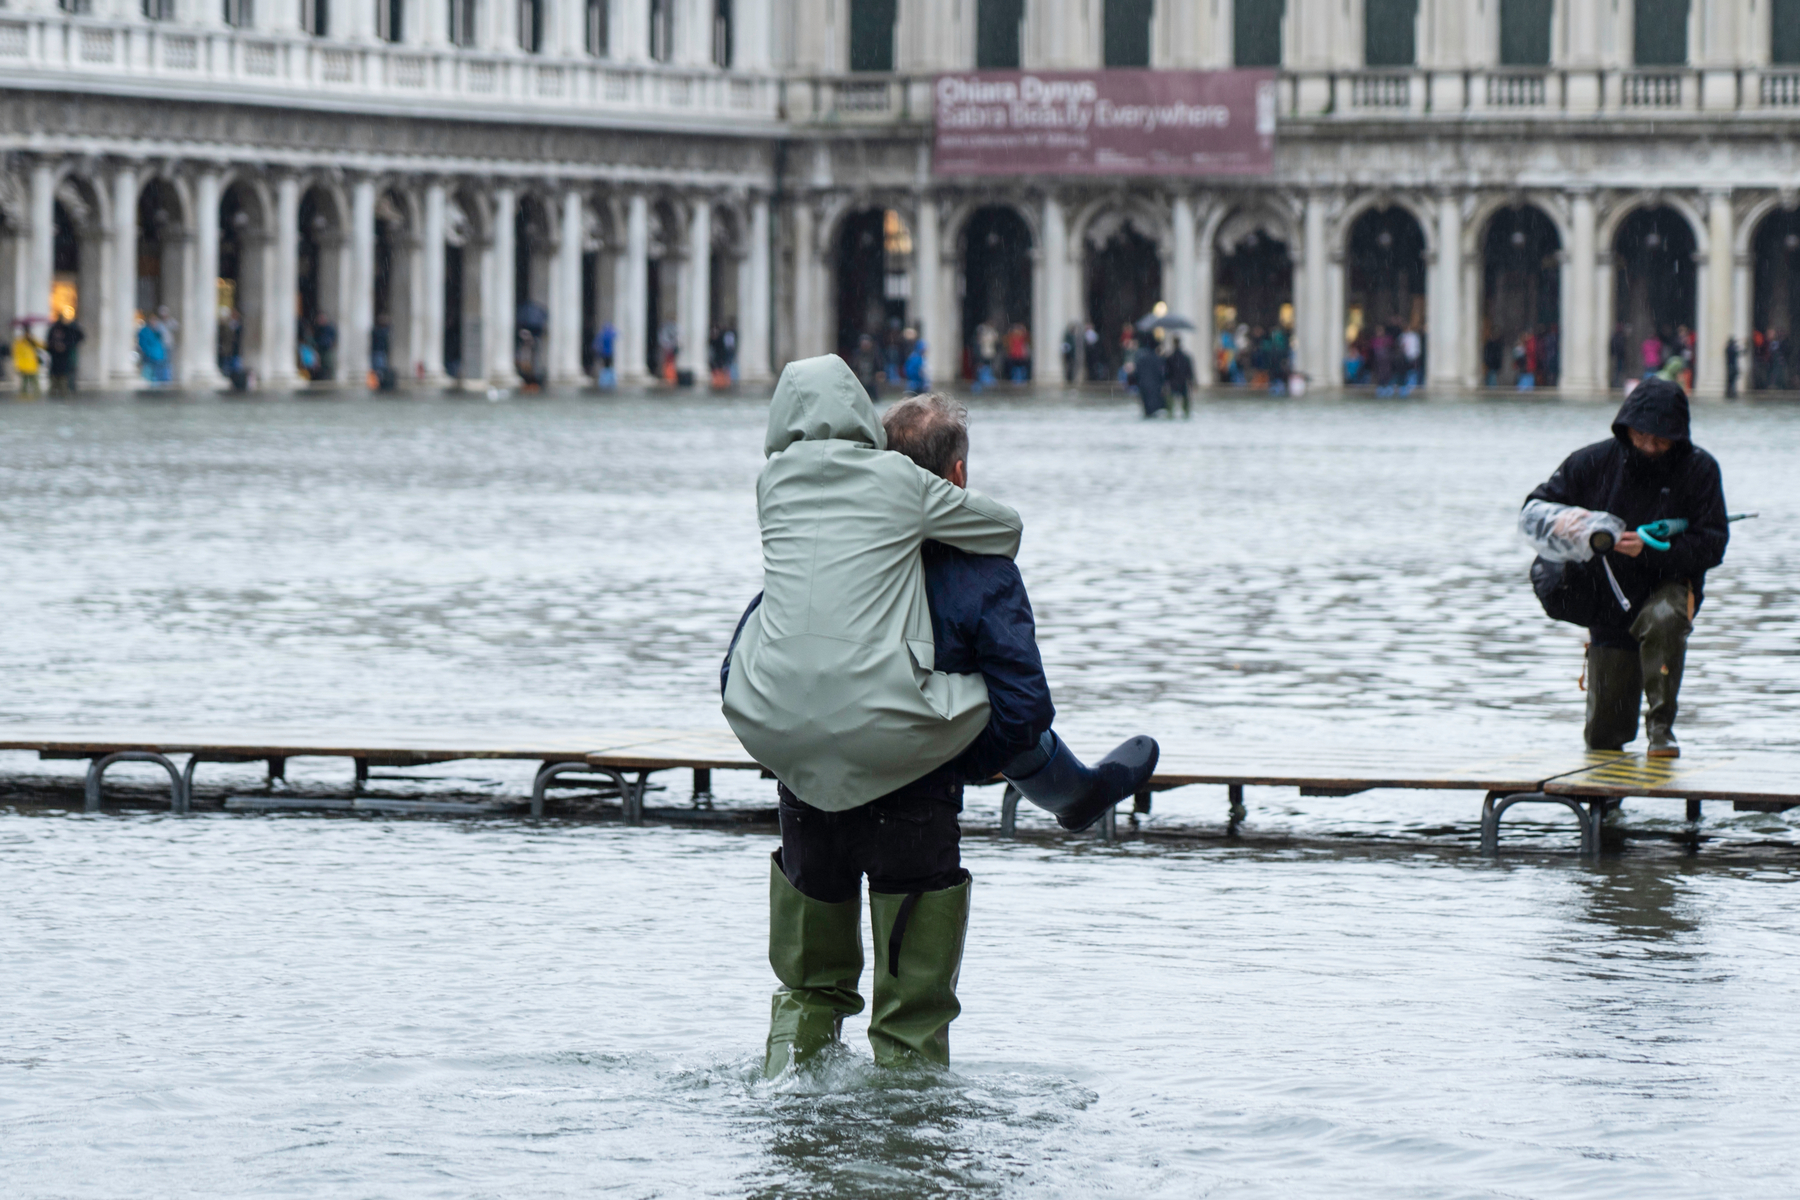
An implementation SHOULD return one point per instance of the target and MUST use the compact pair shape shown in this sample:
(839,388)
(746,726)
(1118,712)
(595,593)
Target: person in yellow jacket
(25,353)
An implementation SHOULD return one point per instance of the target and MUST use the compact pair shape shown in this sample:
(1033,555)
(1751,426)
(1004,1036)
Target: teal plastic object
(1656,534)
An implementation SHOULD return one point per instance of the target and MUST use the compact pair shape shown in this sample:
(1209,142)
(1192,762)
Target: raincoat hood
(1655,406)
(819,399)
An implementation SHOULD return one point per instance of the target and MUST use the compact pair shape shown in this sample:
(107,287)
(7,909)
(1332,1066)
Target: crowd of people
(1661,353)
(1534,356)
(1390,357)
(56,355)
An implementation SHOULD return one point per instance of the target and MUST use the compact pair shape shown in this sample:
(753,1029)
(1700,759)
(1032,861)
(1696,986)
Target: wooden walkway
(1587,782)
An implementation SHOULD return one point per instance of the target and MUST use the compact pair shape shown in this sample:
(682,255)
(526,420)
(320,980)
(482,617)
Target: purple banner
(1105,123)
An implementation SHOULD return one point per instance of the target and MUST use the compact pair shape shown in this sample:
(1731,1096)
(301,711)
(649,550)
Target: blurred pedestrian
(1148,376)
(61,341)
(1180,374)
(1731,367)
(325,340)
(25,350)
(153,352)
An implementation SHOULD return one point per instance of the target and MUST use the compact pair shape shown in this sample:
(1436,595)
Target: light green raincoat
(831,684)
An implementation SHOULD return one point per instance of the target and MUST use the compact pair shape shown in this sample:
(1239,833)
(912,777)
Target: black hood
(1655,406)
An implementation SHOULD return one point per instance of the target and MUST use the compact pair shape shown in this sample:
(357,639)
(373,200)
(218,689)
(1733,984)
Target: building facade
(441,175)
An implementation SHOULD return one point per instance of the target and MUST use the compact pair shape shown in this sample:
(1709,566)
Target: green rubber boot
(1613,687)
(1662,629)
(918,955)
(816,950)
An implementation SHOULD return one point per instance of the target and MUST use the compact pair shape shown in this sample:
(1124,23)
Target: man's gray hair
(931,429)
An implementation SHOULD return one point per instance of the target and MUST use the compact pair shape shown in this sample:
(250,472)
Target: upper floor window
(997,25)
(240,14)
(1525,32)
(315,17)
(599,28)
(1128,32)
(1256,32)
(462,22)
(872,35)
(1784,31)
(390,20)
(1390,32)
(531,26)
(77,8)
(159,10)
(1659,33)
(721,33)
(662,29)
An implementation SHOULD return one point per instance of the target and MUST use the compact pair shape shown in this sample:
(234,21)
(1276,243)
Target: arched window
(721,33)
(390,20)
(1659,34)
(1525,32)
(872,35)
(531,26)
(997,34)
(315,16)
(662,29)
(1128,32)
(1390,33)
(462,23)
(599,28)
(1256,32)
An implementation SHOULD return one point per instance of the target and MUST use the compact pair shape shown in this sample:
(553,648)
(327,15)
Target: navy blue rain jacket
(981,621)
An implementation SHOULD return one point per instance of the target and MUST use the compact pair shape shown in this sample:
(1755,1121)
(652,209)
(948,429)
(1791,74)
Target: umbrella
(1168,321)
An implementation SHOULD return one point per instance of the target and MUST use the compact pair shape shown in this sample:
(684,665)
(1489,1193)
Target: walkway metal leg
(1009,811)
(550,771)
(277,769)
(1496,804)
(1237,812)
(362,772)
(1109,825)
(178,795)
(633,794)
(702,781)
(1693,812)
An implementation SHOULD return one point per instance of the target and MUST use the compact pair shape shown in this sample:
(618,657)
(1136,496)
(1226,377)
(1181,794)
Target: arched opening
(1654,282)
(75,285)
(874,283)
(1521,300)
(1384,300)
(462,287)
(1776,251)
(391,340)
(724,301)
(318,273)
(996,288)
(1253,304)
(160,279)
(534,250)
(663,334)
(1124,282)
(243,283)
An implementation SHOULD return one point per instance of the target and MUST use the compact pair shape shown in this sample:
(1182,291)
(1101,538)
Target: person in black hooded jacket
(1647,471)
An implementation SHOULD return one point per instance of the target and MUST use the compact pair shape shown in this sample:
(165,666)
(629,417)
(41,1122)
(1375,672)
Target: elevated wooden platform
(1588,782)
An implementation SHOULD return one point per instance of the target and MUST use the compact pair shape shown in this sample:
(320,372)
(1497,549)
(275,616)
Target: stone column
(122,338)
(1204,335)
(1444,348)
(696,311)
(754,297)
(1315,320)
(928,280)
(430,348)
(634,298)
(1579,324)
(501,316)
(565,307)
(1052,315)
(358,321)
(1715,320)
(200,324)
(41,246)
(1185,297)
(281,313)
(806,319)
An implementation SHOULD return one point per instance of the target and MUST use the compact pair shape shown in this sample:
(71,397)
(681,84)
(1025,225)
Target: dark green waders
(816,951)
(1616,678)
(918,956)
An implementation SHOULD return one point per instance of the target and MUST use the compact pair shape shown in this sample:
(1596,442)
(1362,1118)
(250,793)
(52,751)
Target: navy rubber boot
(1076,794)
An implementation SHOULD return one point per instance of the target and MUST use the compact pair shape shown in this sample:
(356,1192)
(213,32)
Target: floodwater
(1344,1001)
